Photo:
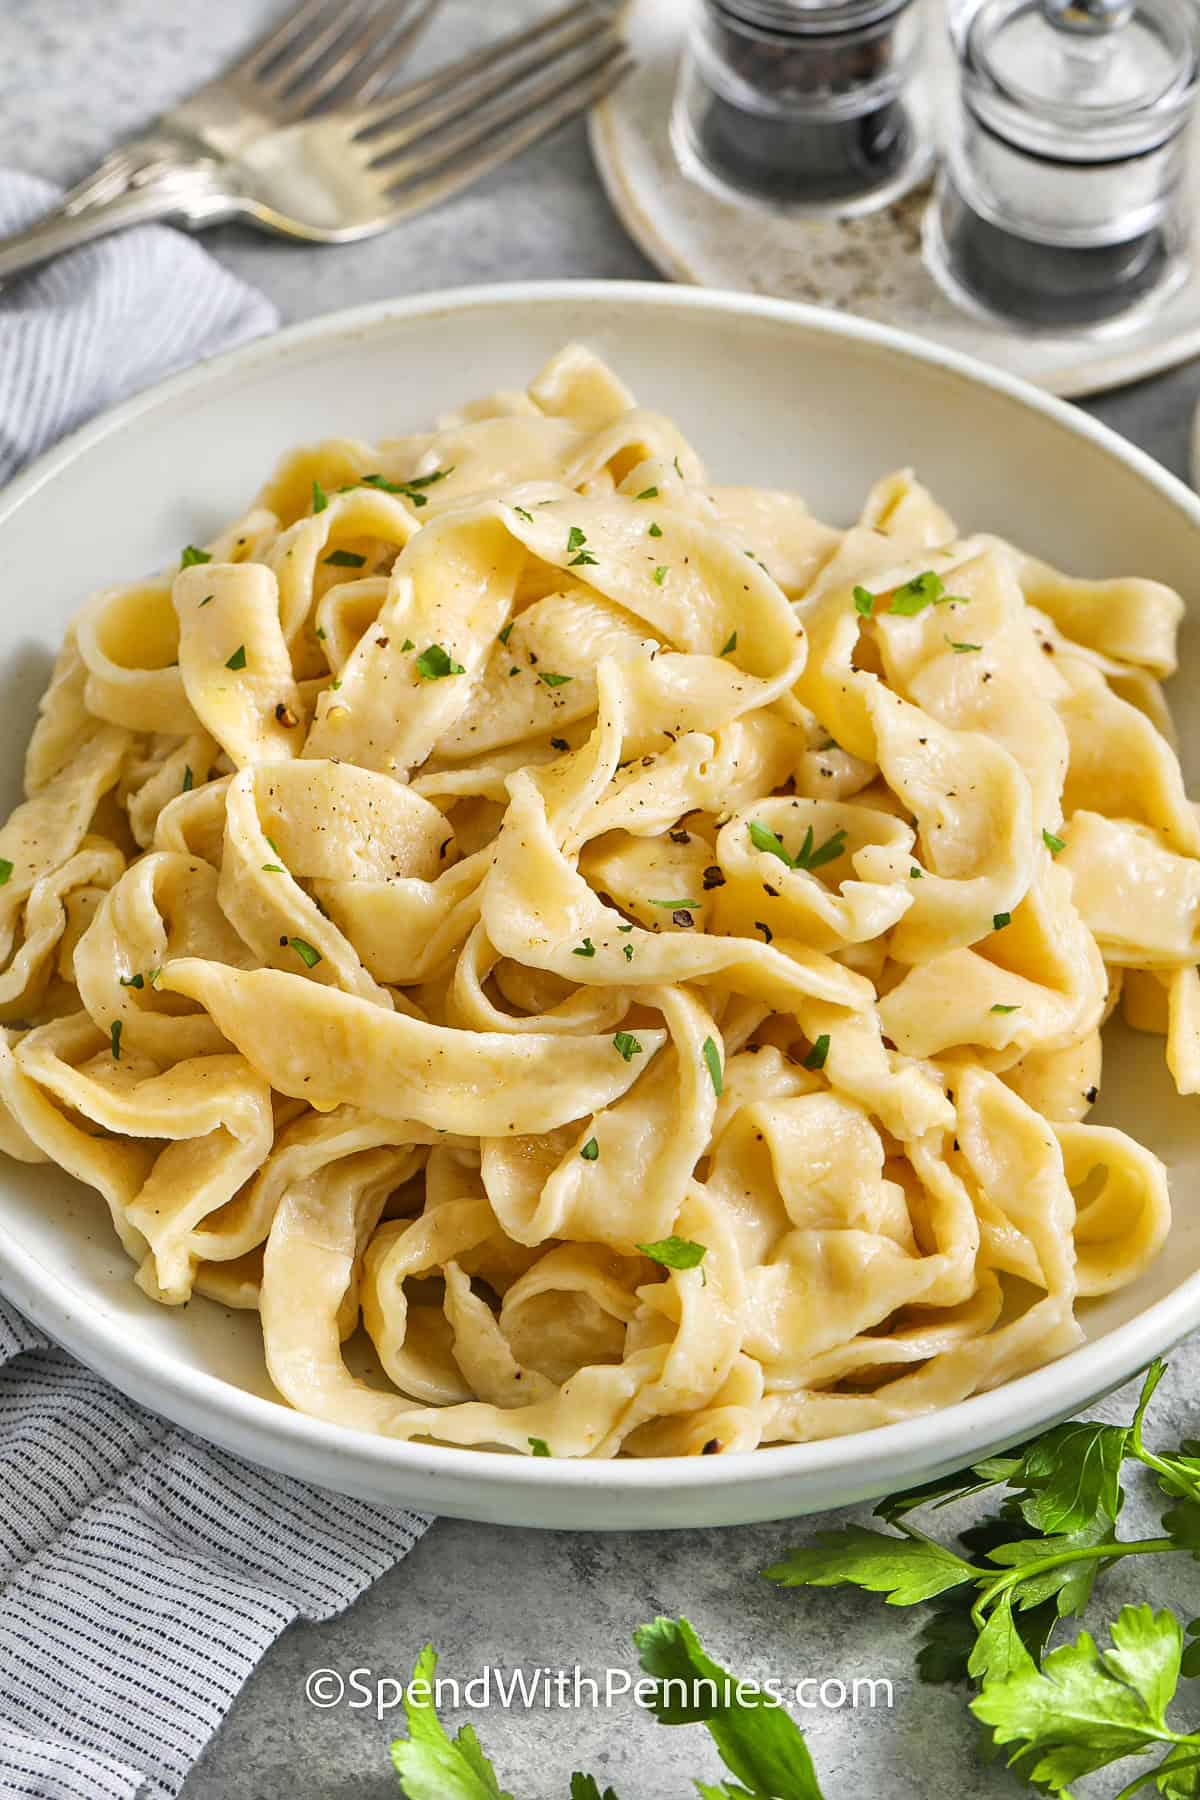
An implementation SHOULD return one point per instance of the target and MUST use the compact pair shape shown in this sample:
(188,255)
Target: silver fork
(257,145)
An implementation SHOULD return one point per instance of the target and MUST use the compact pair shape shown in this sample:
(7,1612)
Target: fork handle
(186,195)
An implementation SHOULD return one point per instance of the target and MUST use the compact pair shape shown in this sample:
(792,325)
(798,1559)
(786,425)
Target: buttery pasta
(603,962)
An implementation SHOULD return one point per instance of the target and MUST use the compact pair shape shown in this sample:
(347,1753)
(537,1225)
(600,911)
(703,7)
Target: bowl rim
(268,1429)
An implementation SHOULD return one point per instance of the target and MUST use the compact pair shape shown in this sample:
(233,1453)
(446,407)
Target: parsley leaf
(922,591)
(1000,920)
(191,556)
(320,499)
(238,659)
(758,1740)
(730,644)
(1084,1708)
(1052,843)
(114,1032)
(906,1569)
(660,574)
(655,530)
(960,649)
(999,1007)
(308,956)
(431,1764)
(712,1062)
(345,559)
(590,1151)
(434,663)
(551,680)
(650,493)
(626,1045)
(864,602)
(539,1446)
(6,869)
(587,948)
(522,514)
(675,905)
(674,1252)
(817,1055)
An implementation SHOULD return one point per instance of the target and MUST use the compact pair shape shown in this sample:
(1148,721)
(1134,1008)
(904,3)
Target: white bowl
(770,393)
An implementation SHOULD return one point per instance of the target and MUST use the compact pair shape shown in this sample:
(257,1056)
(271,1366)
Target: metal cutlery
(298,138)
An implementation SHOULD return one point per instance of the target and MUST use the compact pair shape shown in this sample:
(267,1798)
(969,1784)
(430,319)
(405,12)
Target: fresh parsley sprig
(1063,1712)
(757,1739)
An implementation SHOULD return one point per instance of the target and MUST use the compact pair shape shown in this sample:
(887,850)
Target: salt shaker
(803,105)
(1061,200)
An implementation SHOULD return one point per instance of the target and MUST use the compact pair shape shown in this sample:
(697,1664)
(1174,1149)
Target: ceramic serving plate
(771,393)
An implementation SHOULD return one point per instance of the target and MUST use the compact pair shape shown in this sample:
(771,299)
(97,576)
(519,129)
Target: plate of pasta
(600,910)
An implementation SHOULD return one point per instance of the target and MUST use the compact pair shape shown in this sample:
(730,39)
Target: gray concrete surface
(76,76)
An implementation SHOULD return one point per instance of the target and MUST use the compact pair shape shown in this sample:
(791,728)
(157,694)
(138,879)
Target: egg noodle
(604,962)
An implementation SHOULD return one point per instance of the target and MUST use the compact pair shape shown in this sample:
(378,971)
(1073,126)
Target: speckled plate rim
(1102,371)
(609,1495)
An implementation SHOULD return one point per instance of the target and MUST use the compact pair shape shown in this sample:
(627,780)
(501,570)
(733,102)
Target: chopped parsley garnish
(650,493)
(730,644)
(434,663)
(807,857)
(133,981)
(522,514)
(660,574)
(1000,1008)
(676,905)
(1000,920)
(1052,843)
(506,633)
(712,1062)
(576,539)
(273,869)
(655,530)
(628,949)
(585,556)
(540,1447)
(552,680)
(914,874)
(411,490)
(114,1032)
(321,633)
(626,1046)
(270,840)
(345,559)
(191,556)
(587,948)
(308,956)
(959,649)
(675,1252)
(624,927)
(590,1151)
(6,870)
(923,590)
(408,645)
(320,499)
(864,601)
(188,778)
(238,659)
(817,1055)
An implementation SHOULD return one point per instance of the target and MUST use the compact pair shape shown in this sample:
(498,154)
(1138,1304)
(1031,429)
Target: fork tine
(287,81)
(255,59)
(450,75)
(416,122)
(370,80)
(461,120)
(572,98)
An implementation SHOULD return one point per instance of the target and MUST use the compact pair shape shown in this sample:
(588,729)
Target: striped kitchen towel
(142,1573)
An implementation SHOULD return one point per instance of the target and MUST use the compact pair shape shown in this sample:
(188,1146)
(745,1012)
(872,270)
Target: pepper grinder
(802,105)
(1061,198)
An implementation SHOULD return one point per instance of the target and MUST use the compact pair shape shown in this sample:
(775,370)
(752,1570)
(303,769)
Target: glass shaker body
(1062,199)
(802,106)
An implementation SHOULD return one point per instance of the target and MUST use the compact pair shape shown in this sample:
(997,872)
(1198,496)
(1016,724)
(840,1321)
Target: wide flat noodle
(601,961)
